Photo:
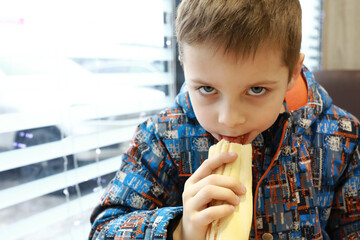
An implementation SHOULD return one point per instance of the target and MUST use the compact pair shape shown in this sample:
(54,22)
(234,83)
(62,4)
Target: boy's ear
(180,60)
(297,71)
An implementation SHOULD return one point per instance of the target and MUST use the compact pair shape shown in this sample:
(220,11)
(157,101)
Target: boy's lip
(239,139)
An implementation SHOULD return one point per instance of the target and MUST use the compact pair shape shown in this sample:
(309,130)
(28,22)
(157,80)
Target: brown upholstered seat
(343,86)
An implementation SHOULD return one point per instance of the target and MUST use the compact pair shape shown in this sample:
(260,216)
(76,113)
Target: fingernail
(243,188)
(232,154)
(237,199)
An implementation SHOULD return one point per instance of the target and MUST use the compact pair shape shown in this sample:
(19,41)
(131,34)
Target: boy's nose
(231,116)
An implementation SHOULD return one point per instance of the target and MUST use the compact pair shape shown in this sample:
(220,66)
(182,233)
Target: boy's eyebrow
(261,82)
(198,81)
(266,82)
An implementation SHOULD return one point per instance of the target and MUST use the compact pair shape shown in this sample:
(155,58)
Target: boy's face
(236,98)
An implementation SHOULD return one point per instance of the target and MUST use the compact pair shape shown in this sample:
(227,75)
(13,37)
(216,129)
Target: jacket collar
(183,100)
(318,102)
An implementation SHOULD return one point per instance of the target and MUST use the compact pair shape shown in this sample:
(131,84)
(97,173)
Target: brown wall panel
(341,37)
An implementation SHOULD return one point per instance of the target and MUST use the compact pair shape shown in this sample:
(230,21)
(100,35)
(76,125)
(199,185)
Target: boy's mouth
(239,139)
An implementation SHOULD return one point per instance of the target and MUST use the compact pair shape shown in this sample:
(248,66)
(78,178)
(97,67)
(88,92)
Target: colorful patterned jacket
(306,174)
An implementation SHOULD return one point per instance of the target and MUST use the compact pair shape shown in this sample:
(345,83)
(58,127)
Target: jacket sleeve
(344,220)
(144,196)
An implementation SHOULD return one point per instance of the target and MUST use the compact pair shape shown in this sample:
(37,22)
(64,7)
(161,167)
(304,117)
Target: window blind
(312,22)
(76,78)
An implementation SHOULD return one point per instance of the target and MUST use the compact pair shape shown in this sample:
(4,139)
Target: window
(312,22)
(76,78)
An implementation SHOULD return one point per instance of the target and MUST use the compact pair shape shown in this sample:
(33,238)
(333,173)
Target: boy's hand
(200,189)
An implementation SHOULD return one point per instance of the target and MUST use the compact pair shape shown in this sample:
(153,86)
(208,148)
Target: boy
(245,83)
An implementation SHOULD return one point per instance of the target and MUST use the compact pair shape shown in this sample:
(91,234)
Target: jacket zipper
(266,172)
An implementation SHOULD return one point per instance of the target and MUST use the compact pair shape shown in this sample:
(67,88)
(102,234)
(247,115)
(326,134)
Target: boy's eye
(206,90)
(256,91)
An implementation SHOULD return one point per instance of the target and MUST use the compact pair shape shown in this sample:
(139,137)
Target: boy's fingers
(211,164)
(216,180)
(211,192)
(210,214)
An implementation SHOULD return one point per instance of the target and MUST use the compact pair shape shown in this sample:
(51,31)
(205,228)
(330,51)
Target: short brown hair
(241,26)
